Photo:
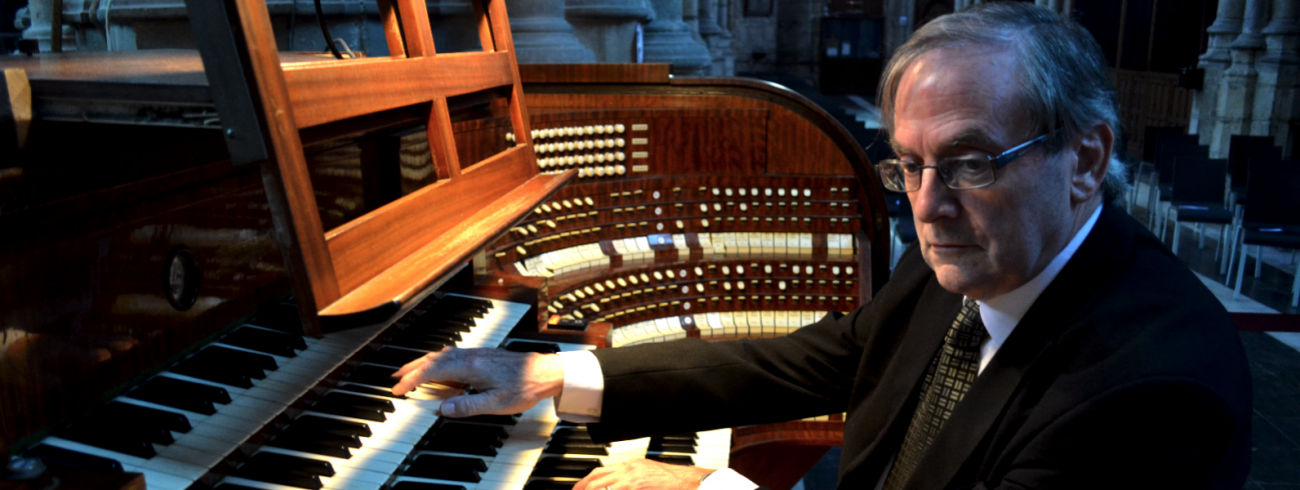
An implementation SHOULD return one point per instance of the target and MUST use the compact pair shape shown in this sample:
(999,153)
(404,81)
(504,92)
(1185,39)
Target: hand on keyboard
(504,382)
(643,474)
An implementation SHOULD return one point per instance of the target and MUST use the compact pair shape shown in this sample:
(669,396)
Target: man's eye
(910,167)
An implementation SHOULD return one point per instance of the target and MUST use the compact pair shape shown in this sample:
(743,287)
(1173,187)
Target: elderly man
(1035,338)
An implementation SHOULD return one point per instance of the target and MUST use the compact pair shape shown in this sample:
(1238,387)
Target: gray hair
(1064,86)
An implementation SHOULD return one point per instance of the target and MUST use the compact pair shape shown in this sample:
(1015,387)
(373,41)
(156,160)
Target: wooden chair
(370,268)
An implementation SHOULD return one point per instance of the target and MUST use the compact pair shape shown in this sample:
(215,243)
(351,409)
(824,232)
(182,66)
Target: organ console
(174,306)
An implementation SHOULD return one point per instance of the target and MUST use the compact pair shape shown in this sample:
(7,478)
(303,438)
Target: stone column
(1217,57)
(41,14)
(608,27)
(1279,74)
(454,29)
(542,35)
(1237,89)
(691,16)
(717,39)
(668,40)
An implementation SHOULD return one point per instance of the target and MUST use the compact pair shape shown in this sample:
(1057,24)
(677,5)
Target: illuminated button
(608,142)
(780,192)
(580,294)
(742,191)
(686,290)
(680,225)
(743,207)
(704,208)
(645,278)
(534,133)
(767,192)
(569,160)
(699,287)
(704,223)
(551,224)
(618,155)
(569,146)
(590,158)
(600,158)
(726,286)
(589,290)
(599,144)
(655,195)
(699,272)
(717,191)
(659,276)
(658,211)
(726,271)
(781,285)
(532,228)
(848,270)
(618,128)
(550,133)
(600,171)
(807,193)
(586,130)
(599,129)
(569,131)
(619,142)
(808,270)
(670,274)
(717,206)
(582,173)
(740,270)
(609,284)
(589,201)
(567,204)
(510,136)
(794,192)
(835,270)
(620,169)
(609,128)
(599,287)
(728,192)
(521,250)
(740,285)
(682,273)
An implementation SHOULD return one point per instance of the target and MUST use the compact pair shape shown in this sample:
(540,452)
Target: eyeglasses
(961,172)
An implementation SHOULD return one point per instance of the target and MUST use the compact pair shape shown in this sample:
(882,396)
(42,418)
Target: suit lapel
(923,335)
(1060,306)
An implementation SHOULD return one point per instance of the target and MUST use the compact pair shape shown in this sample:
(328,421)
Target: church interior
(223,224)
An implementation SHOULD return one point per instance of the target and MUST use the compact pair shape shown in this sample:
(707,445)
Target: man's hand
(643,474)
(506,382)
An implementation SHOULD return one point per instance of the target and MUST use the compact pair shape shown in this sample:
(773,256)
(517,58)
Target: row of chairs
(1253,195)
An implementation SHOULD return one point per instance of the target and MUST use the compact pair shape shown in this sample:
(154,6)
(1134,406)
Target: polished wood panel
(596,73)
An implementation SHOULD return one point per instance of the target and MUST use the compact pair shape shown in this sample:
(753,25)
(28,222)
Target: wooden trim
(611,73)
(429,264)
(328,91)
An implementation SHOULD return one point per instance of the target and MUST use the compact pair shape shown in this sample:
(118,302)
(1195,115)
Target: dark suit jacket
(1125,373)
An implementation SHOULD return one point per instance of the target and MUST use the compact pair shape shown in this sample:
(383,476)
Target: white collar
(1003,313)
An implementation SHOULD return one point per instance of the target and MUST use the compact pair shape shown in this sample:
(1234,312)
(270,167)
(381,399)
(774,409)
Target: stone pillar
(691,16)
(1217,57)
(717,39)
(1279,74)
(668,40)
(1237,89)
(608,27)
(41,14)
(454,29)
(542,35)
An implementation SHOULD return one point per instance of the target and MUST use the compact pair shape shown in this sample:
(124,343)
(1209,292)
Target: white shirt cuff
(584,386)
(727,479)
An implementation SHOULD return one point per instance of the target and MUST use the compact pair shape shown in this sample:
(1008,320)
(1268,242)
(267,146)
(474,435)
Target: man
(1034,339)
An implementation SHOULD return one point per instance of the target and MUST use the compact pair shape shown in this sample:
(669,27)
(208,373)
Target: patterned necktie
(946,383)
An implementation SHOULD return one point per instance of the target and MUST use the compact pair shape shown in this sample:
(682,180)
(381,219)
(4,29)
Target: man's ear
(1092,163)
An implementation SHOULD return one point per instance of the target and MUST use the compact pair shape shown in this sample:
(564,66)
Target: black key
(450,468)
(411,335)
(686,437)
(369,390)
(308,446)
(430,346)
(242,358)
(579,433)
(178,393)
(232,486)
(136,415)
(278,343)
(670,447)
(575,448)
(279,476)
(677,460)
(567,424)
(411,485)
(358,401)
(394,357)
(377,376)
(309,434)
(550,485)
(282,317)
(292,464)
(469,431)
(113,440)
(450,445)
(565,467)
(111,427)
(330,426)
(538,347)
(348,411)
(73,459)
(226,366)
(488,419)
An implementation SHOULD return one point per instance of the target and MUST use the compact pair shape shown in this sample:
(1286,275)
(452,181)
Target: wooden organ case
(157,214)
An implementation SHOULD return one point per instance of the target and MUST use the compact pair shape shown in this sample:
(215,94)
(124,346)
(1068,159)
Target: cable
(347,49)
(325,30)
(108,30)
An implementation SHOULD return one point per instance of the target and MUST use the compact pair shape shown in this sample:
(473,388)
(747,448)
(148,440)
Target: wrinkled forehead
(969,83)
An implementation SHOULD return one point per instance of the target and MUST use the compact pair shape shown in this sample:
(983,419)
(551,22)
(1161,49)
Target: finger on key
(443,364)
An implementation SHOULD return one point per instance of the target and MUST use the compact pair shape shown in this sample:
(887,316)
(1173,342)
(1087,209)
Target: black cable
(293,20)
(329,40)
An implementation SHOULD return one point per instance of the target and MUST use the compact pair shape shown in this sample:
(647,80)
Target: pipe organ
(213,303)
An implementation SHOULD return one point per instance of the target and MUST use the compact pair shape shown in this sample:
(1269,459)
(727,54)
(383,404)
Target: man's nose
(934,200)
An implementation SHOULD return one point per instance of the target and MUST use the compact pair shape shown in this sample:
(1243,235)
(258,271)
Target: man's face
(988,241)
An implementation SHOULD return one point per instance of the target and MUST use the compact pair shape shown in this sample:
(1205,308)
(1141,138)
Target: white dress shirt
(584,384)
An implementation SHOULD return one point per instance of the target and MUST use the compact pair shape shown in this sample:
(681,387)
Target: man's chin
(959,280)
